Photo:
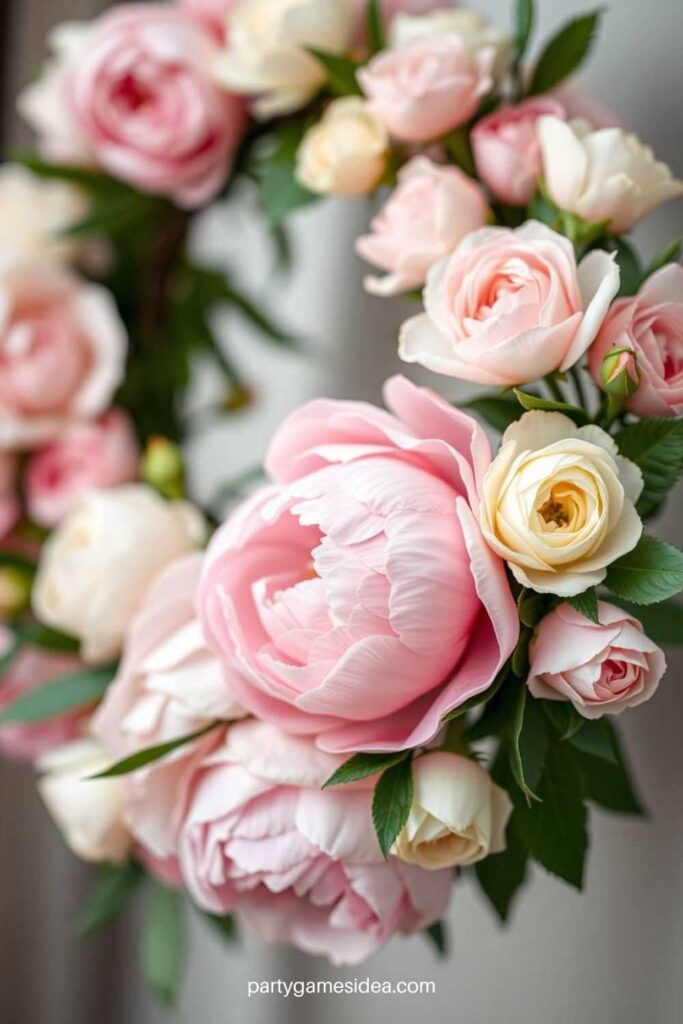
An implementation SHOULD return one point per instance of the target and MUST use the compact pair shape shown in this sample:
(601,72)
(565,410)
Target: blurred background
(611,955)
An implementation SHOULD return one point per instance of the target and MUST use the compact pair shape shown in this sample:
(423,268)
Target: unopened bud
(15,590)
(620,373)
(163,467)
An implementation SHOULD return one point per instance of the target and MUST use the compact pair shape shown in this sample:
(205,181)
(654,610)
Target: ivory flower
(604,175)
(35,235)
(458,814)
(344,154)
(558,503)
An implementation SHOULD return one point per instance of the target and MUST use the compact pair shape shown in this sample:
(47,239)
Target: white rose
(88,812)
(344,154)
(473,29)
(558,503)
(458,814)
(603,175)
(33,212)
(96,567)
(267,56)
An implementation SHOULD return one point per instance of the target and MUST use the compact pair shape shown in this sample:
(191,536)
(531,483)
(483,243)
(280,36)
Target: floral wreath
(401,656)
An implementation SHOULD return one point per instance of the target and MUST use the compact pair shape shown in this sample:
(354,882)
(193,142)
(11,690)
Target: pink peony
(297,864)
(428,86)
(100,453)
(132,92)
(600,669)
(507,152)
(62,352)
(356,596)
(428,213)
(508,307)
(168,685)
(30,669)
(650,323)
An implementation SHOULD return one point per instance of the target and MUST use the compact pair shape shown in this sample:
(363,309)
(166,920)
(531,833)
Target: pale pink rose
(510,306)
(431,209)
(99,453)
(428,86)
(600,669)
(62,352)
(132,92)
(30,669)
(210,14)
(506,149)
(9,499)
(168,686)
(298,864)
(355,595)
(650,323)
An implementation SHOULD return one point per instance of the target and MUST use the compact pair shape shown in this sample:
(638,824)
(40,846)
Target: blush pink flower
(168,686)
(601,669)
(30,669)
(510,306)
(356,596)
(428,86)
(651,324)
(210,14)
(132,92)
(96,454)
(62,352)
(298,864)
(428,213)
(506,149)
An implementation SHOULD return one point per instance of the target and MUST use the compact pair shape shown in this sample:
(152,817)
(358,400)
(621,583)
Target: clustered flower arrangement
(401,658)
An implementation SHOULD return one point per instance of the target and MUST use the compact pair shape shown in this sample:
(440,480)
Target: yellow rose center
(564,508)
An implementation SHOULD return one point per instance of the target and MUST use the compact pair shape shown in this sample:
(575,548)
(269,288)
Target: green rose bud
(620,374)
(163,467)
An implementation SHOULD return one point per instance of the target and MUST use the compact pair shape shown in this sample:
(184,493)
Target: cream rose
(53,205)
(344,154)
(558,503)
(88,812)
(267,53)
(96,567)
(458,814)
(603,175)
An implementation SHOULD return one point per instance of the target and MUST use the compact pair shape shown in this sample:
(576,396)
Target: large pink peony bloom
(168,686)
(356,595)
(298,864)
(651,324)
(132,92)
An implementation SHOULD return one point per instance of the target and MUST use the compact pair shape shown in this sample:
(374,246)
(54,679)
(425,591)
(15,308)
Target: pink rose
(9,499)
(210,14)
(100,453)
(356,596)
(62,352)
(507,152)
(650,323)
(508,307)
(428,213)
(600,669)
(132,92)
(428,86)
(297,864)
(168,685)
(30,669)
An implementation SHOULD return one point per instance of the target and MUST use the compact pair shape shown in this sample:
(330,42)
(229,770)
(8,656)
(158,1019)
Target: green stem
(554,388)
(575,374)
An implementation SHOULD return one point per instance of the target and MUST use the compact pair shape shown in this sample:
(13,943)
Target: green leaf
(360,766)
(280,192)
(586,604)
(66,693)
(651,573)
(531,607)
(606,783)
(530,741)
(596,737)
(151,754)
(272,331)
(656,446)
(554,828)
(224,924)
(11,560)
(501,875)
(524,23)
(579,416)
(671,254)
(498,714)
(340,71)
(630,270)
(438,936)
(110,897)
(163,943)
(375,28)
(564,53)
(46,639)
(520,656)
(85,178)
(459,147)
(541,208)
(663,622)
(499,411)
(391,804)
(564,717)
